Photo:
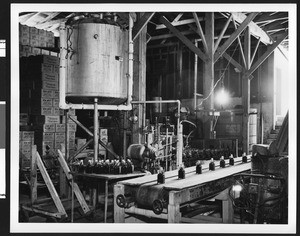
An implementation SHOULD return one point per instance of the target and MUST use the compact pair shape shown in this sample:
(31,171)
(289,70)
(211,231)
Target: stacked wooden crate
(33,41)
(40,99)
(26,140)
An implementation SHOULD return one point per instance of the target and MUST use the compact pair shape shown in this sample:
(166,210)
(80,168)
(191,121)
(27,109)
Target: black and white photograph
(153,118)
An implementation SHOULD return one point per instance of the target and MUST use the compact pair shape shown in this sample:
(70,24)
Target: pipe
(130,63)
(179,143)
(96,128)
(195,78)
(63,75)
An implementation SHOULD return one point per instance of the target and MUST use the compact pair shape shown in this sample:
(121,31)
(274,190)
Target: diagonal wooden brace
(69,176)
(50,185)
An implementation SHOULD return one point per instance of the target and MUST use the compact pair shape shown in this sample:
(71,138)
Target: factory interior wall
(164,80)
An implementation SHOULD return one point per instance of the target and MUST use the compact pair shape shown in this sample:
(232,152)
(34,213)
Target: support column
(96,127)
(246,91)
(208,81)
(139,81)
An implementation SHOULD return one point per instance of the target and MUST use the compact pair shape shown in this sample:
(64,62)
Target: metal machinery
(178,199)
(96,63)
(163,140)
(261,196)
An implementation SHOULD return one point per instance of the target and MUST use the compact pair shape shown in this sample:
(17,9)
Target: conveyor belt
(171,177)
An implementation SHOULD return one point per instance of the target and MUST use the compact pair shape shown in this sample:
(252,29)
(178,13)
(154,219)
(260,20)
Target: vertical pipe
(130,63)
(96,145)
(195,78)
(237,147)
(124,136)
(62,65)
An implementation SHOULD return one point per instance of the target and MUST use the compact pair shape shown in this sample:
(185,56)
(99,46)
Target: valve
(157,206)
(120,200)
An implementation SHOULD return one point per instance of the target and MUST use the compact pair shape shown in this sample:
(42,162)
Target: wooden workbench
(193,187)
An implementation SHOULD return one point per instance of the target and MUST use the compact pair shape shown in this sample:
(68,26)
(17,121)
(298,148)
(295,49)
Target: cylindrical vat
(97,63)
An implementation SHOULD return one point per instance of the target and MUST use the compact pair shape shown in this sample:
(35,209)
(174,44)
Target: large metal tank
(97,63)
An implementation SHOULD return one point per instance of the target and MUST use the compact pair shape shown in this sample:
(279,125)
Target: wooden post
(227,207)
(119,213)
(139,80)
(33,176)
(246,91)
(63,192)
(208,81)
(179,72)
(174,215)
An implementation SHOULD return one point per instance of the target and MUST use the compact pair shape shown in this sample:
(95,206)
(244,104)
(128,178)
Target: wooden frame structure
(211,184)
(36,206)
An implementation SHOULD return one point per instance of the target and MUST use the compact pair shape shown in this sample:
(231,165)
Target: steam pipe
(179,126)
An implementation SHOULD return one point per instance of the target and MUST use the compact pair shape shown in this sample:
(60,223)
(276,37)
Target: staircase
(273,134)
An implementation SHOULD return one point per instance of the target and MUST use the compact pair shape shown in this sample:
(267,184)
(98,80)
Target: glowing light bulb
(222,97)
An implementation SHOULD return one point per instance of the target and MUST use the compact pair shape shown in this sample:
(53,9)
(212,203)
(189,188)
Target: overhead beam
(255,50)
(177,17)
(235,34)
(233,62)
(275,25)
(264,17)
(50,23)
(182,38)
(222,33)
(266,54)
(181,22)
(164,36)
(200,32)
(255,30)
(49,17)
(139,26)
(239,42)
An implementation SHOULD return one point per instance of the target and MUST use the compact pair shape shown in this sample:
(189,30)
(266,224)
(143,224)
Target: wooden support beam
(254,53)
(265,17)
(266,54)
(208,81)
(200,31)
(139,82)
(49,24)
(177,23)
(255,30)
(69,176)
(233,37)
(239,43)
(33,175)
(246,92)
(50,185)
(182,38)
(222,33)
(119,213)
(165,36)
(233,62)
(177,17)
(139,26)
